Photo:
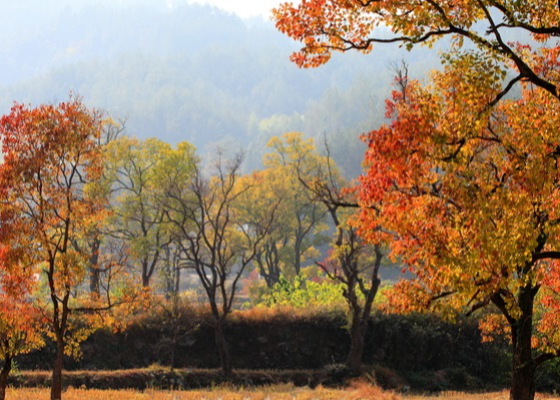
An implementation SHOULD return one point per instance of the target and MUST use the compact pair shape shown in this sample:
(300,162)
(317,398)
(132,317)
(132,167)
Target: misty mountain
(191,72)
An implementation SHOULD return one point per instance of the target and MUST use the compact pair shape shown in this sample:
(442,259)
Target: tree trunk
(172,352)
(522,381)
(360,316)
(357,344)
(148,268)
(56,385)
(145,274)
(297,256)
(271,278)
(94,273)
(222,348)
(94,280)
(523,368)
(270,272)
(4,376)
(177,280)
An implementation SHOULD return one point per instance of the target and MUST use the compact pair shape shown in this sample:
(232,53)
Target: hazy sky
(245,8)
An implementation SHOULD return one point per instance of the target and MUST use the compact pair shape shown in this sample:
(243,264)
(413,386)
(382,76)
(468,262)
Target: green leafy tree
(302,222)
(138,171)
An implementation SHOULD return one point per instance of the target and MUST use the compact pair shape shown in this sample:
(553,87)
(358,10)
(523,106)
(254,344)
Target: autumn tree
(324,26)
(215,243)
(295,233)
(176,166)
(475,132)
(352,262)
(301,222)
(97,243)
(52,160)
(20,320)
(273,252)
(20,332)
(137,218)
(467,195)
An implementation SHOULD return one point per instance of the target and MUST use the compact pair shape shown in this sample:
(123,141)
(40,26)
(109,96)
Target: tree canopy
(467,196)
(503,31)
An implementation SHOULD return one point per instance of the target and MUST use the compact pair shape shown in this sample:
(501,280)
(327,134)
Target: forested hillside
(194,73)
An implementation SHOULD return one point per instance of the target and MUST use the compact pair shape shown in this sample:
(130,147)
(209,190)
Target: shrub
(301,293)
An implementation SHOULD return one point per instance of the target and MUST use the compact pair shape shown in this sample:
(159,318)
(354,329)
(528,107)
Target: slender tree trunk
(148,267)
(357,344)
(59,325)
(145,274)
(274,276)
(173,349)
(94,279)
(4,376)
(271,278)
(94,273)
(269,272)
(177,287)
(56,385)
(361,315)
(523,368)
(221,344)
(274,266)
(297,256)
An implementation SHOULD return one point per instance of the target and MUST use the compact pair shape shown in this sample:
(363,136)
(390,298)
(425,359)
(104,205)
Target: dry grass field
(277,392)
(289,393)
(470,396)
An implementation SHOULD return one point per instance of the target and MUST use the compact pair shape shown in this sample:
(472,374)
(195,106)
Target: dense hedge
(164,378)
(420,351)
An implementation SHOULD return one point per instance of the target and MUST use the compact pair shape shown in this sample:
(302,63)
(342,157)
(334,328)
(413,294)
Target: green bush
(302,293)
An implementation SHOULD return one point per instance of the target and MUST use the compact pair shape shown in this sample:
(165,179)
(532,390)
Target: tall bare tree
(214,242)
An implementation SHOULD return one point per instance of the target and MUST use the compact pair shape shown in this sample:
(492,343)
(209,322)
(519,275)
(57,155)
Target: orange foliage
(52,159)
(20,327)
(466,190)
(324,26)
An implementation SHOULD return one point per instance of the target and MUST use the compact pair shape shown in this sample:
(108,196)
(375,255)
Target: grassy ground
(273,393)
(470,396)
(357,392)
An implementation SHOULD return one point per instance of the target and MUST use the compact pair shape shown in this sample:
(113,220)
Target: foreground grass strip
(359,392)
(471,396)
(266,393)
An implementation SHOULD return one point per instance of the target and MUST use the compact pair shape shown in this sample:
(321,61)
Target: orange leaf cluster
(468,194)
